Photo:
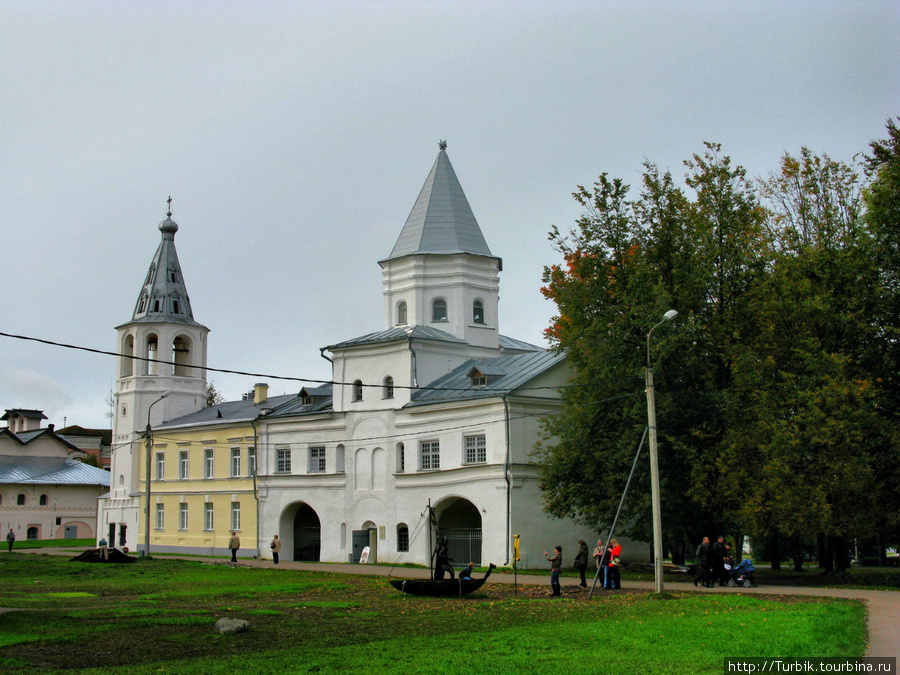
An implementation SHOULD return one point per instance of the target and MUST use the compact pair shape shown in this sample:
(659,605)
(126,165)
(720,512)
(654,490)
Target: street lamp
(149,466)
(654,463)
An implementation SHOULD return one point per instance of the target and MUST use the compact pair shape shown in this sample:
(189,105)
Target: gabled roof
(22,412)
(50,471)
(399,333)
(26,437)
(231,411)
(441,220)
(417,332)
(508,373)
(321,402)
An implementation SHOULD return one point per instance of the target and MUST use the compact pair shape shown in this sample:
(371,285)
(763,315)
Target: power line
(228,371)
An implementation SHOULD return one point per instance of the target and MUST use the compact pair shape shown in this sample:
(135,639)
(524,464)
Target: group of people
(234,545)
(711,562)
(607,559)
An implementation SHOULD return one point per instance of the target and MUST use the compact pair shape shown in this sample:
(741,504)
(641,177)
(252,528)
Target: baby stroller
(742,574)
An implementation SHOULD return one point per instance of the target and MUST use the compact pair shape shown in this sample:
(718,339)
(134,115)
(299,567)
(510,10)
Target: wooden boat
(437,588)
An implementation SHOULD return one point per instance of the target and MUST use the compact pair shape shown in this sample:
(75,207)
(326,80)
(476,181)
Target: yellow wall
(221,490)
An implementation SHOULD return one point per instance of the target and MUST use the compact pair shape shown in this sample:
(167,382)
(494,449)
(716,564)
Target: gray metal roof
(49,471)
(231,411)
(400,333)
(441,220)
(508,374)
(164,296)
(301,405)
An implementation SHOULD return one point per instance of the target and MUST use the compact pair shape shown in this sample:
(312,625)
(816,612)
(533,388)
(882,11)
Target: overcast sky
(294,138)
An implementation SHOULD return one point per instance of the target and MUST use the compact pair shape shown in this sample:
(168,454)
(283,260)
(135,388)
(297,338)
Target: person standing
(615,551)
(600,559)
(717,572)
(581,559)
(702,562)
(234,544)
(276,548)
(555,567)
(104,550)
(442,562)
(10,538)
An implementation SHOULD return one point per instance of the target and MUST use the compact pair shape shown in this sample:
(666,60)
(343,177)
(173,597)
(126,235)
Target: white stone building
(45,490)
(438,408)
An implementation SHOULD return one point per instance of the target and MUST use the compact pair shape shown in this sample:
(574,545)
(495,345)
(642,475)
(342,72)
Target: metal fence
(465,545)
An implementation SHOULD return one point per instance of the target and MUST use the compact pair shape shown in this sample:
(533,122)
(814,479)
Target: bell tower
(160,370)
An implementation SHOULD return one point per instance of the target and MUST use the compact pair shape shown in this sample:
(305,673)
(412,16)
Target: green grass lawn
(157,616)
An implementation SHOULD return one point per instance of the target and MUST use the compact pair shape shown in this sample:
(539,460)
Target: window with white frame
(283,460)
(429,455)
(208,463)
(208,516)
(401,312)
(251,461)
(317,459)
(235,515)
(160,517)
(183,464)
(401,458)
(160,465)
(182,516)
(387,389)
(476,449)
(235,462)
(358,390)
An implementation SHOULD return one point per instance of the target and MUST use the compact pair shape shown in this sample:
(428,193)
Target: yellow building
(203,478)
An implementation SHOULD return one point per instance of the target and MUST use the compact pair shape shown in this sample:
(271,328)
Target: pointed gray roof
(441,221)
(164,296)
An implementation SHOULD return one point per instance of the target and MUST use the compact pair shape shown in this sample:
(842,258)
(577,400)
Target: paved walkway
(883,606)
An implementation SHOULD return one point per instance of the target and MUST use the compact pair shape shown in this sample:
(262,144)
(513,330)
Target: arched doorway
(459,520)
(307,534)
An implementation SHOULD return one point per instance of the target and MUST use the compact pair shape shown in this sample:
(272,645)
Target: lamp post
(654,463)
(149,466)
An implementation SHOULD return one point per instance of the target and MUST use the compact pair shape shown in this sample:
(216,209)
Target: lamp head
(671,314)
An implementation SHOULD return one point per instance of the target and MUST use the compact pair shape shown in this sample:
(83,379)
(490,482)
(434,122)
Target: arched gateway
(459,520)
(307,532)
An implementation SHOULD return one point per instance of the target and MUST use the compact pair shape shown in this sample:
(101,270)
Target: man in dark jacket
(702,562)
(717,571)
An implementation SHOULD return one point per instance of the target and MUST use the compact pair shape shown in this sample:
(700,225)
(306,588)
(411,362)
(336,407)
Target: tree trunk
(797,552)
(839,548)
(775,551)
(824,552)
(678,551)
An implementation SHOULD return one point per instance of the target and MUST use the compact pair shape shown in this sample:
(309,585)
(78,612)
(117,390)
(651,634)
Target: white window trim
(433,453)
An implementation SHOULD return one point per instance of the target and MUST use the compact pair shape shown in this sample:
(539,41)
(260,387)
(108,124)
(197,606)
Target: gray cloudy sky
(294,137)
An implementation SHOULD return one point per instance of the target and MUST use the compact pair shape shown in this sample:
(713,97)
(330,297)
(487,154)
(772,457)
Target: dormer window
(401,312)
(484,374)
(439,310)
(478,312)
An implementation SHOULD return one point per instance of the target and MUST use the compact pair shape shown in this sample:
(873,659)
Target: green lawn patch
(87,621)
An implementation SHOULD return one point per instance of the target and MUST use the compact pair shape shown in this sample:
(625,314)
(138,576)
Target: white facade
(44,493)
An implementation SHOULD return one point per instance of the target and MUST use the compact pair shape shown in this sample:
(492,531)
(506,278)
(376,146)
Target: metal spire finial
(169,202)
(442,145)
